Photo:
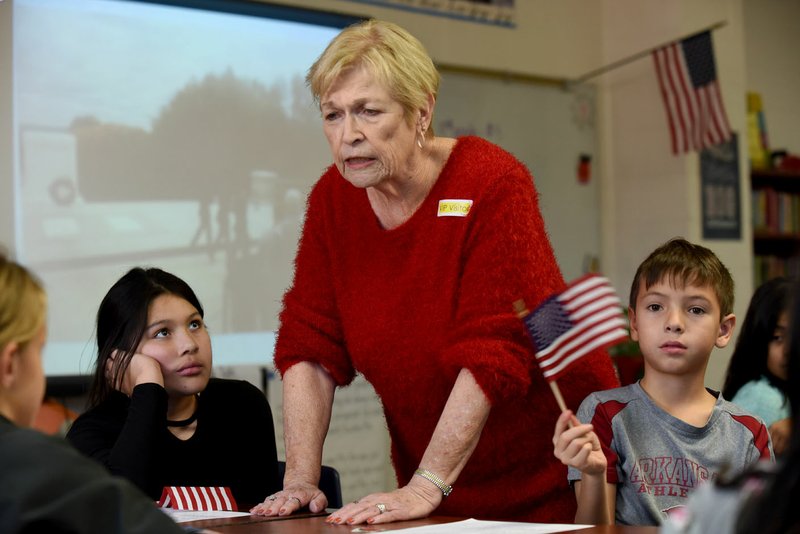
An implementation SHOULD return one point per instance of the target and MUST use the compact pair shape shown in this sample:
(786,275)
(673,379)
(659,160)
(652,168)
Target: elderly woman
(413,250)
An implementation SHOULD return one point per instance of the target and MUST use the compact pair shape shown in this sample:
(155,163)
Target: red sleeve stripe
(759,431)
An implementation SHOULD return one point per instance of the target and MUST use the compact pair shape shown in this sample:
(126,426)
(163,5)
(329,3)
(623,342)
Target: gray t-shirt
(656,459)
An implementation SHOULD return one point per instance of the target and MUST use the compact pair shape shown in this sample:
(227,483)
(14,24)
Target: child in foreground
(635,453)
(46,486)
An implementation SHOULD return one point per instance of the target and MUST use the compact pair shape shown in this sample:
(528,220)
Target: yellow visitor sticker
(451,207)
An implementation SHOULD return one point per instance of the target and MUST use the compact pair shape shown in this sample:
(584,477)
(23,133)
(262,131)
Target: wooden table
(315,524)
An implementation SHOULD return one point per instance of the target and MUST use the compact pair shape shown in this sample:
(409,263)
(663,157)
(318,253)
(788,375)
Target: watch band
(443,486)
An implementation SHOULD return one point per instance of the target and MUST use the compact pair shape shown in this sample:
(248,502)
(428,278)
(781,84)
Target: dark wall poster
(719,179)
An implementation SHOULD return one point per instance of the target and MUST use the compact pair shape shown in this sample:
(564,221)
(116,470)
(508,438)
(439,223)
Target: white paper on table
(182,516)
(504,527)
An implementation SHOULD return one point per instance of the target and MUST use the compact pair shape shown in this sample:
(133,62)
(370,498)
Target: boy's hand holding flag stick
(584,317)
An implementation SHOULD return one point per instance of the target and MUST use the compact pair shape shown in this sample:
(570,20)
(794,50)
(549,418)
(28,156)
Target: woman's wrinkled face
(370,138)
(176,337)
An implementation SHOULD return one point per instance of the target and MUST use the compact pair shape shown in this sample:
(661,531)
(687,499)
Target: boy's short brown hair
(683,263)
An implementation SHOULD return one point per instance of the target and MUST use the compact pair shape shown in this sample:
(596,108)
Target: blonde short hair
(23,304)
(395,57)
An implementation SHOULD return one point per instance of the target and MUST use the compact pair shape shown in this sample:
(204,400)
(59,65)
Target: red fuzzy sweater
(409,307)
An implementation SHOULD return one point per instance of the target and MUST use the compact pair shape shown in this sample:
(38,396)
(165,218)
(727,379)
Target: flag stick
(560,400)
(521,309)
(558,396)
(643,53)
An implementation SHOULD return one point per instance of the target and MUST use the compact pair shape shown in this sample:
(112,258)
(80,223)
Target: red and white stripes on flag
(197,498)
(687,77)
(584,317)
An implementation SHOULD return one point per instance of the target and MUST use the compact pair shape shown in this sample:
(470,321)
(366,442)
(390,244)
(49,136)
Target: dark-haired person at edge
(413,251)
(156,416)
(756,377)
(763,499)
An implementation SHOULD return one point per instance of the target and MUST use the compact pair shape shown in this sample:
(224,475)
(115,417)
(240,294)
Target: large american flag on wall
(687,76)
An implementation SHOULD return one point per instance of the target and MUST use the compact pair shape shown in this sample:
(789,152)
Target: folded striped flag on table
(206,498)
(584,317)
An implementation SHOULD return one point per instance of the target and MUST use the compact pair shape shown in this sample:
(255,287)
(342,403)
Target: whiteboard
(548,128)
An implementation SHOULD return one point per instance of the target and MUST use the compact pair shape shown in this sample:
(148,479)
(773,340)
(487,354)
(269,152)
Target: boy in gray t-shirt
(635,453)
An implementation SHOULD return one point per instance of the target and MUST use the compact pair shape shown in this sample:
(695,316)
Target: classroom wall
(552,38)
(6,142)
(773,68)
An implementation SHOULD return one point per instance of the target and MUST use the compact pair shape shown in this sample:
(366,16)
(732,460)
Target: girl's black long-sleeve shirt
(233,445)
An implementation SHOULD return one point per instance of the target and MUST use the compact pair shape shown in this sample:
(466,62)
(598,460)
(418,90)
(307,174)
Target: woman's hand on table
(414,501)
(291,499)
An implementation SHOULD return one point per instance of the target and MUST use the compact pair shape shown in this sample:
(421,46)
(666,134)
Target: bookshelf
(776,223)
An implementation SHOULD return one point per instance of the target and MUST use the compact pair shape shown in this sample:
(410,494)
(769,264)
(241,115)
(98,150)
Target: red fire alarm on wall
(584,168)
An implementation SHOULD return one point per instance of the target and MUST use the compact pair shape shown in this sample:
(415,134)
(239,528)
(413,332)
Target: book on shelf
(776,212)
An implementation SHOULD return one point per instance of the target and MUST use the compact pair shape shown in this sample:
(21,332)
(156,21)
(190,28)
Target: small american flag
(584,317)
(688,80)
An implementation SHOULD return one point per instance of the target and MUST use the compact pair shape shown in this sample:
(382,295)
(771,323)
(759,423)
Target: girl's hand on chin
(141,370)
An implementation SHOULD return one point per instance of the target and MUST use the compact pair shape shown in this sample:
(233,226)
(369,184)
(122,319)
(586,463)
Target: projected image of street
(162,136)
